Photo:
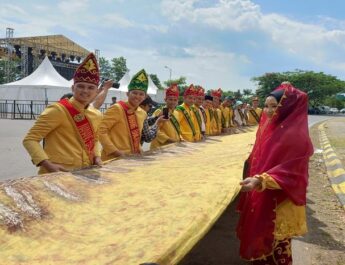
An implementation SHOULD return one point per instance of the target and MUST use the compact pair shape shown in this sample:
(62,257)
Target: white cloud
(116,20)
(311,41)
(68,7)
(206,67)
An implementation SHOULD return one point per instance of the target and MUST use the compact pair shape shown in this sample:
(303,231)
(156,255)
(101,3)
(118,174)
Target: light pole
(170,71)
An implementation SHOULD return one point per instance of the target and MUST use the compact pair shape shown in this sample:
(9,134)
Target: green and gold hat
(139,81)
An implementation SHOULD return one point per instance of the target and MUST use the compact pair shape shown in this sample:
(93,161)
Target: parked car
(334,110)
(325,110)
(342,111)
(313,110)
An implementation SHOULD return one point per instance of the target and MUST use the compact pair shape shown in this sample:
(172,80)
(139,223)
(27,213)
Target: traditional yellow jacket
(166,131)
(225,116)
(62,144)
(114,133)
(290,218)
(209,121)
(251,118)
(217,121)
(186,130)
(198,135)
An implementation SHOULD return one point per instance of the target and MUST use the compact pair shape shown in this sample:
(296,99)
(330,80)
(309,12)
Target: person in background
(113,100)
(168,132)
(226,115)
(239,118)
(103,90)
(185,116)
(151,123)
(69,127)
(121,128)
(272,203)
(198,111)
(207,106)
(217,113)
(254,112)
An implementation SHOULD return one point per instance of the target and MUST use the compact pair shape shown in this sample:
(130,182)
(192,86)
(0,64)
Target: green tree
(156,81)
(118,68)
(14,67)
(181,81)
(318,86)
(238,94)
(105,68)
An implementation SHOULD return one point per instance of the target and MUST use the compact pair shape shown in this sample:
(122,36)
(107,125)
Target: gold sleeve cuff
(267,182)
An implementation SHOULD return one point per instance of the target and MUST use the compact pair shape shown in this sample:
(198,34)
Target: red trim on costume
(133,128)
(83,126)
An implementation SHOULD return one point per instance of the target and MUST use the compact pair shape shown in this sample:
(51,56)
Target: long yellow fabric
(61,145)
(130,211)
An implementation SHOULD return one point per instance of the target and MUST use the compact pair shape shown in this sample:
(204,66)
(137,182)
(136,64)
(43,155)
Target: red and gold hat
(172,91)
(190,91)
(217,93)
(87,71)
(200,92)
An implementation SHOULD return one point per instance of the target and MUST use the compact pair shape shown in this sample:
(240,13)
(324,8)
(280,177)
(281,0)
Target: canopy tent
(45,83)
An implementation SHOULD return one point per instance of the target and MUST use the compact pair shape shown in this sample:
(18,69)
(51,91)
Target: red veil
(282,150)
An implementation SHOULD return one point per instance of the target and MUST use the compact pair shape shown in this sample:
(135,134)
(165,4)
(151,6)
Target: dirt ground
(323,245)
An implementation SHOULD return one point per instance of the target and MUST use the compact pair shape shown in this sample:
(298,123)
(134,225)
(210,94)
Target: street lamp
(170,71)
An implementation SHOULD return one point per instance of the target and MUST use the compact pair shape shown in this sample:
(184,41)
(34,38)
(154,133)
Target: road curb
(335,169)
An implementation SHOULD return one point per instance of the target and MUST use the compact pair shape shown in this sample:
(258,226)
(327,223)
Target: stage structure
(64,54)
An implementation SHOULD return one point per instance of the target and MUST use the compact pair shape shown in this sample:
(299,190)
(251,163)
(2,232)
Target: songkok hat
(190,91)
(208,97)
(87,71)
(139,81)
(172,91)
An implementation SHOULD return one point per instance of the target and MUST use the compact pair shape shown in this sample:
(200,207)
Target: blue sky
(214,43)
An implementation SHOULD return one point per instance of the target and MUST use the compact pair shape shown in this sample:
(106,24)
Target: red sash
(133,128)
(84,128)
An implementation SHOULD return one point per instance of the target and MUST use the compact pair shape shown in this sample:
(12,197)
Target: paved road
(16,163)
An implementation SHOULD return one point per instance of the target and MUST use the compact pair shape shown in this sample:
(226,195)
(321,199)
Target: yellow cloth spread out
(140,209)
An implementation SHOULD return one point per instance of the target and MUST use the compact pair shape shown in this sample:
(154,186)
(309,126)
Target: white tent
(45,83)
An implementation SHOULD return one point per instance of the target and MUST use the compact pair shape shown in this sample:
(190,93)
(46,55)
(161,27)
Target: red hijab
(282,150)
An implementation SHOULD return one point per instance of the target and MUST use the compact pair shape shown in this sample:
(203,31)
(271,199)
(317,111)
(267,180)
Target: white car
(342,110)
(334,110)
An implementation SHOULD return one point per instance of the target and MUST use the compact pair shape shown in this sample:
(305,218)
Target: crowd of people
(76,134)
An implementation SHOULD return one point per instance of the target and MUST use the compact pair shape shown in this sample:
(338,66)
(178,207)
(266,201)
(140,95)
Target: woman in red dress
(273,199)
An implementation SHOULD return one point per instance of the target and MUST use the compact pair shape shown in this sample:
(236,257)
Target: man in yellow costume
(207,107)
(168,132)
(217,124)
(69,127)
(186,118)
(121,128)
(226,110)
(199,112)
(254,112)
